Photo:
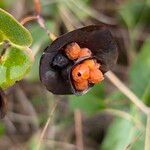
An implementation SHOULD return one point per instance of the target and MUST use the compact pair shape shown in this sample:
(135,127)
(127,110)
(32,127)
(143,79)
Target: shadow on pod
(55,67)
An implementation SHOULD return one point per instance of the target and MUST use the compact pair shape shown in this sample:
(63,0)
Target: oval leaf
(14,64)
(13,31)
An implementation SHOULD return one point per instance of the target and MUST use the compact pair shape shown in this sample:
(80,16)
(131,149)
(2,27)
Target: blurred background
(103,119)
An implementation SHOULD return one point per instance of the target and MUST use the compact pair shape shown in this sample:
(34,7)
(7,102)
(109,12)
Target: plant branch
(28,19)
(39,19)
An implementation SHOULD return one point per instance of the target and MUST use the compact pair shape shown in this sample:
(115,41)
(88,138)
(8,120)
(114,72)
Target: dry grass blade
(147,138)
(46,125)
(127,92)
(78,129)
(128,147)
(126,116)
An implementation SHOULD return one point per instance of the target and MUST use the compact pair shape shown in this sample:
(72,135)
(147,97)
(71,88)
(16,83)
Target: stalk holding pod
(57,63)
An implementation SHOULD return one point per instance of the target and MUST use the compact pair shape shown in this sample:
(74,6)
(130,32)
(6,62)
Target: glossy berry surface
(72,51)
(81,86)
(91,63)
(95,76)
(80,72)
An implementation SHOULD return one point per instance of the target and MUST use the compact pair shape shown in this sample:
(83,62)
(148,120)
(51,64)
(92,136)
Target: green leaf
(1,37)
(140,71)
(13,31)
(91,102)
(14,64)
(121,134)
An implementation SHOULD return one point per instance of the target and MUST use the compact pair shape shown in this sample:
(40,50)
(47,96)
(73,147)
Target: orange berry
(85,52)
(95,76)
(80,86)
(90,63)
(80,73)
(72,51)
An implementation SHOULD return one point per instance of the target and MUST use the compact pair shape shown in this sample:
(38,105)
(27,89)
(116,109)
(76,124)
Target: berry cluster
(88,71)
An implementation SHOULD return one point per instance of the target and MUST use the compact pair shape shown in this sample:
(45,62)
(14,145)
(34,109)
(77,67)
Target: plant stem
(28,19)
(126,91)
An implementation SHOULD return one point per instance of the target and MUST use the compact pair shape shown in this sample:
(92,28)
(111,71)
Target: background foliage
(109,120)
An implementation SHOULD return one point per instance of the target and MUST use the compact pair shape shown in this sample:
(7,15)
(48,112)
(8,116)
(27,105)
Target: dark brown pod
(3,104)
(97,38)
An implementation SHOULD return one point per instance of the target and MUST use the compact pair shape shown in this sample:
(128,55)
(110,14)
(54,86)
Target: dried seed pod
(3,104)
(96,38)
